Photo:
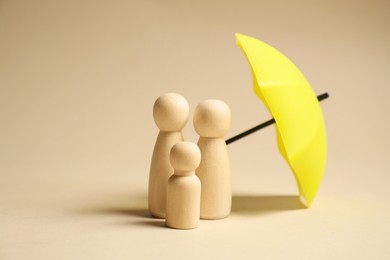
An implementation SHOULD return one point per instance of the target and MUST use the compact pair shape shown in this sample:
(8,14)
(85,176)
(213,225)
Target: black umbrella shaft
(265,124)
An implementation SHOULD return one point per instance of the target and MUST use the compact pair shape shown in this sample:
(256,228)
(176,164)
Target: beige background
(77,83)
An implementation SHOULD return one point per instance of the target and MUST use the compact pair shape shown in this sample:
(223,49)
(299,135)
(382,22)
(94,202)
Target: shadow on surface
(126,205)
(150,223)
(242,204)
(137,206)
(124,211)
(156,223)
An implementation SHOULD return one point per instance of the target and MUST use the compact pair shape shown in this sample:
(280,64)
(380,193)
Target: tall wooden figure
(170,113)
(212,120)
(183,190)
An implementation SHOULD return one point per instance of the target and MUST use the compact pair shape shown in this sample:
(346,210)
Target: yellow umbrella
(289,98)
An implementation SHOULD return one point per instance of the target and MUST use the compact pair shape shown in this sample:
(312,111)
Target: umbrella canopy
(289,98)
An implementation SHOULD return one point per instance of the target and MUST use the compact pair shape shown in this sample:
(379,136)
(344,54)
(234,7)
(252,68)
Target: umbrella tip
(239,36)
(304,202)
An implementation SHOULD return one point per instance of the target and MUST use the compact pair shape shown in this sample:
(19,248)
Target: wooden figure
(170,113)
(184,187)
(212,120)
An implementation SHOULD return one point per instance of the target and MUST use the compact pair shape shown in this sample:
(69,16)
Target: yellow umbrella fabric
(293,104)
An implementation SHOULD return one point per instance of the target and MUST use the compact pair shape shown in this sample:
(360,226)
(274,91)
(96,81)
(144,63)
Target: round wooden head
(212,118)
(185,156)
(171,112)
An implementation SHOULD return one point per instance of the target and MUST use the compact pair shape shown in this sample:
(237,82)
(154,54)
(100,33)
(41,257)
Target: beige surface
(77,83)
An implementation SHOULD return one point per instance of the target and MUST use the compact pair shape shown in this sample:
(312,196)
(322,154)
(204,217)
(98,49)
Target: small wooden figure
(183,190)
(170,113)
(212,120)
